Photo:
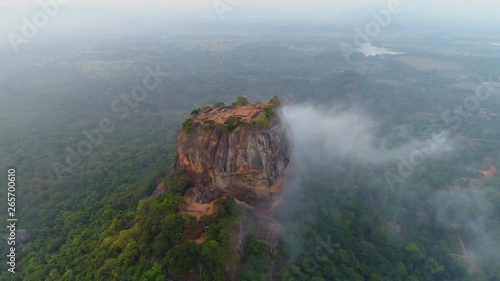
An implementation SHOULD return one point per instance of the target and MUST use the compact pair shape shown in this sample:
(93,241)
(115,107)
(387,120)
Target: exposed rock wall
(247,163)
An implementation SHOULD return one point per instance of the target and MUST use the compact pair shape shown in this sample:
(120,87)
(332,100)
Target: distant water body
(368,50)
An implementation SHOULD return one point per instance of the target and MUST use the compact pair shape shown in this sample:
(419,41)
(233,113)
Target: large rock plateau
(246,162)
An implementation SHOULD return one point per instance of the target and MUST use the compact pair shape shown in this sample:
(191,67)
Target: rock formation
(241,151)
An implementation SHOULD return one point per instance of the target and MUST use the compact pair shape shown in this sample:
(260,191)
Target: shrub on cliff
(232,123)
(219,104)
(241,101)
(187,125)
(274,101)
(196,112)
(265,120)
(177,184)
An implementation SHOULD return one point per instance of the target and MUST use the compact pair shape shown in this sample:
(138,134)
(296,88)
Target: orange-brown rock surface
(247,163)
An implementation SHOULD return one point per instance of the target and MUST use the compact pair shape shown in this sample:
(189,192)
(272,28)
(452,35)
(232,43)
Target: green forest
(101,220)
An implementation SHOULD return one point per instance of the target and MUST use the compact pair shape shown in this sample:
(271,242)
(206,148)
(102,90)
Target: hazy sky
(99,14)
(186,10)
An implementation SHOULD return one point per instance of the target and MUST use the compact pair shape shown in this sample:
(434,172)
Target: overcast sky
(99,13)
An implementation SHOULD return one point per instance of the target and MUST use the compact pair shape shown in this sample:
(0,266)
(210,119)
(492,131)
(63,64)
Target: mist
(348,134)
(471,212)
(343,139)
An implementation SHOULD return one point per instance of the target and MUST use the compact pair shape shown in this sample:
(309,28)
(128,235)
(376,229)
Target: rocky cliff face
(247,163)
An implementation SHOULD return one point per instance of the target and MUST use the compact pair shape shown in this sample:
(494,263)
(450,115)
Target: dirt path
(463,246)
(197,210)
(490,173)
(202,238)
(470,262)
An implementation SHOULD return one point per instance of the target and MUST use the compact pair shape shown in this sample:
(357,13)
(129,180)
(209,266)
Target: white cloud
(324,135)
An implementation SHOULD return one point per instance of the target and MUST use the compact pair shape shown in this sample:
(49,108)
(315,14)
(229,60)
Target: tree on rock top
(241,101)
(274,101)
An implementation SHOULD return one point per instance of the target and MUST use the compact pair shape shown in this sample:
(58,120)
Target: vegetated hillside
(75,221)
